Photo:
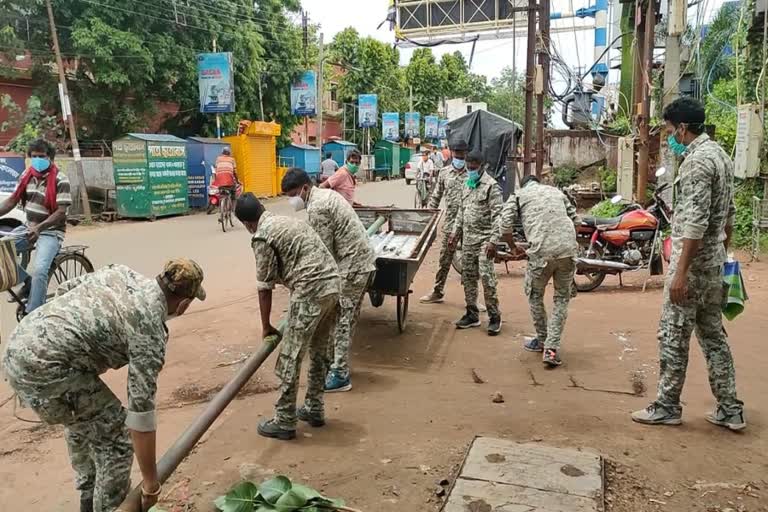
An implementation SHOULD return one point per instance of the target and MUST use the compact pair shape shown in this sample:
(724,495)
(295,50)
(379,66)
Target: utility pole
(542,94)
(677,20)
(644,118)
(67,113)
(218,116)
(305,41)
(320,95)
(411,98)
(529,79)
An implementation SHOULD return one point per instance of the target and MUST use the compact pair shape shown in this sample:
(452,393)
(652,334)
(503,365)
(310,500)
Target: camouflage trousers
(350,301)
(702,312)
(100,448)
(310,324)
(537,276)
(475,266)
(444,265)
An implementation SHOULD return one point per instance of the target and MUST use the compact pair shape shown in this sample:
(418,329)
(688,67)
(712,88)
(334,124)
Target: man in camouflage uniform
(290,253)
(549,220)
(344,235)
(694,289)
(481,205)
(449,185)
(105,320)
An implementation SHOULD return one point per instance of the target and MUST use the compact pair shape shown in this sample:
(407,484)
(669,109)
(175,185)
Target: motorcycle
(626,243)
(214,198)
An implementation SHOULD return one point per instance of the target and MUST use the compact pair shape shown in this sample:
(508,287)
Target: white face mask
(297,203)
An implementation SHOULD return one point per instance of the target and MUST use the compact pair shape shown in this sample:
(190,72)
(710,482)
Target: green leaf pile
(278,494)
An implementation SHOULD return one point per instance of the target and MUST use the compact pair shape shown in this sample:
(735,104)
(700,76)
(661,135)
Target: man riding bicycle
(44,194)
(225,175)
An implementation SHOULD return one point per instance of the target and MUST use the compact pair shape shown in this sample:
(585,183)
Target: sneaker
(551,357)
(656,415)
(534,345)
(335,383)
(432,298)
(314,420)
(723,419)
(470,319)
(494,326)
(270,428)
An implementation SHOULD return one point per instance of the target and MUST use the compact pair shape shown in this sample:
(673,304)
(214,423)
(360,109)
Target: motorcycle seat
(601,222)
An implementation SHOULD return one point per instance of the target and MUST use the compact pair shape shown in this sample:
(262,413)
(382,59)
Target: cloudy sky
(491,57)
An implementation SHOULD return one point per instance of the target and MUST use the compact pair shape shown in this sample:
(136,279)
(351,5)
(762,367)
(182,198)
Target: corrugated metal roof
(303,146)
(155,137)
(208,140)
(341,142)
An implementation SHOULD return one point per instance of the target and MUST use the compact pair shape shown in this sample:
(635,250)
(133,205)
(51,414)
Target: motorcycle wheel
(590,281)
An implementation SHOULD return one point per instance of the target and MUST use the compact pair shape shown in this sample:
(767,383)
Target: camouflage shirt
(100,321)
(450,184)
(479,210)
(548,219)
(290,253)
(704,203)
(342,232)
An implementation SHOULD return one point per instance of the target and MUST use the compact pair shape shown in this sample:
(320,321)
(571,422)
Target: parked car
(411,168)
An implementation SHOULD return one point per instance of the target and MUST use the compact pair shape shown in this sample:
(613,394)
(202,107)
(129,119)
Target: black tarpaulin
(492,134)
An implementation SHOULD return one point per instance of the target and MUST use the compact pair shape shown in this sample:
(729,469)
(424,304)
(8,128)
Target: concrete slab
(480,496)
(504,476)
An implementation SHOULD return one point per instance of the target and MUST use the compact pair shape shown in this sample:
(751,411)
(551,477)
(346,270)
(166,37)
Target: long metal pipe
(544,63)
(184,444)
(643,158)
(529,79)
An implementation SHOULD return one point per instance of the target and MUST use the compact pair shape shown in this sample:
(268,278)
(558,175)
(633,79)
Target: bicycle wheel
(223,209)
(65,267)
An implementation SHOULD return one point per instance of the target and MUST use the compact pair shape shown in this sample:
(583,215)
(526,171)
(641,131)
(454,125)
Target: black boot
(494,325)
(470,319)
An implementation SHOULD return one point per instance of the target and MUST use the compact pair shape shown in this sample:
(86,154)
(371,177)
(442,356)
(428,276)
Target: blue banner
(391,125)
(442,131)
(11,167)
(368,110)
(412,124)
(431,127)
(304,95)
(216,82)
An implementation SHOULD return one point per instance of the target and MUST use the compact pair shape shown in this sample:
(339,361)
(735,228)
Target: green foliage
(132,54)
(32,123)
(620,126)
(507,95)
(742,229)
(564,176)
(605,209)
(608,179)
(721,113)
(277,494)
(719,35)
(425,79)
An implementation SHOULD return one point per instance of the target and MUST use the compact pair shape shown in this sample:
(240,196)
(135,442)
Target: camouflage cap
(184,278)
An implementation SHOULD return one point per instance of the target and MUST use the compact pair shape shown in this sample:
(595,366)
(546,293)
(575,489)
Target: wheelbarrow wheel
(402,311)
(377,298)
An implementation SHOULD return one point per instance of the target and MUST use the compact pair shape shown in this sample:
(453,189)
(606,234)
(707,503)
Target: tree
(371,67)
(31,123)
(507,95)
(125,56)
(425,78)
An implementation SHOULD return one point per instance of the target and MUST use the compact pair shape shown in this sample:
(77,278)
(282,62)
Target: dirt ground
(416,405)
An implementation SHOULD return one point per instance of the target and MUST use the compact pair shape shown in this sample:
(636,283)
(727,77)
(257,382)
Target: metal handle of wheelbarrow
(184,444)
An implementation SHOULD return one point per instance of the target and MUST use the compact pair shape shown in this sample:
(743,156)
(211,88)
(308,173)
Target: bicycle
(70,263)
(226,207)
(423,190)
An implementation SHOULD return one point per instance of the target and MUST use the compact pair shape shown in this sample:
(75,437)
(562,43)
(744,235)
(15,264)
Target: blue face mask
(458,163)
(473,174)
(40,164)
(677,148)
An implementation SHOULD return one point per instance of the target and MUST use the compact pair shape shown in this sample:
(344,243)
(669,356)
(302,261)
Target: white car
(411,168)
